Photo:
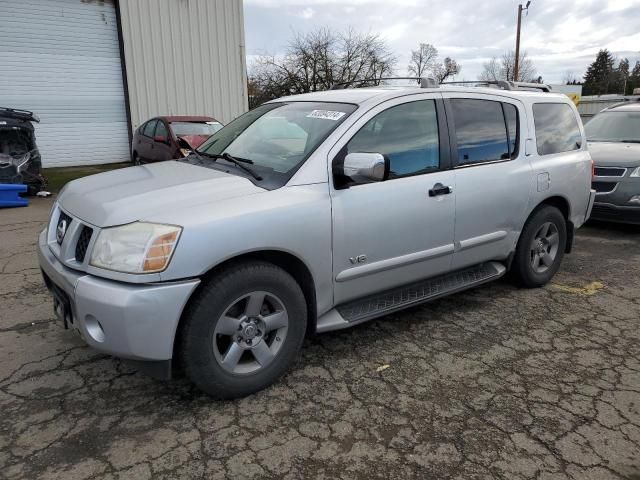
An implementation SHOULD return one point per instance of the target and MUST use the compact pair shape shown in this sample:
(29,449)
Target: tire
(220,320)
(542,243)
(136,159)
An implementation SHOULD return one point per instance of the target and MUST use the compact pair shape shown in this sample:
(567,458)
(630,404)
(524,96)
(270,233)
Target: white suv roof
(361,95)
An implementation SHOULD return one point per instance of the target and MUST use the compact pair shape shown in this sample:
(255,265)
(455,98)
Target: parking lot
(497,382)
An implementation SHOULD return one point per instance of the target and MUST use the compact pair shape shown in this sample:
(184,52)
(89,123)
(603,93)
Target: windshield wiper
(237,161)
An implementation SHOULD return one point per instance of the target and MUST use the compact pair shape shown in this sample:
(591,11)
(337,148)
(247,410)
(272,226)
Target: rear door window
(481,131)
(513,127)
(557,128)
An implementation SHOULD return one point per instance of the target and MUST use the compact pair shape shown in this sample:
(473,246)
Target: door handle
(440,189)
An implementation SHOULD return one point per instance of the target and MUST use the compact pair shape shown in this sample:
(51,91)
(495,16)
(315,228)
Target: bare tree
(503,68)
(424,63)
(422,60)
(318,60)
(448,68)
(569,78)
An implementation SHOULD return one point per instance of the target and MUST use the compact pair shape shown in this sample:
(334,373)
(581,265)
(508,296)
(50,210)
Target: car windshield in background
(278,137)
(614,127)
(195,128)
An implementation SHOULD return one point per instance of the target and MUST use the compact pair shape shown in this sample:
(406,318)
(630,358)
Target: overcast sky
(559,35)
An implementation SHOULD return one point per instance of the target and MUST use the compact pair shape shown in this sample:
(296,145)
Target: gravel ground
(496,382)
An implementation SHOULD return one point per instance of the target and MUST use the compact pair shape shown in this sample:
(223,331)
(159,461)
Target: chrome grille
(72,247)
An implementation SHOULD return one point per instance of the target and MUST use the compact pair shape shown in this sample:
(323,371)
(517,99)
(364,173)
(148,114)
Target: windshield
(614,127)
(195,128)
(278,137)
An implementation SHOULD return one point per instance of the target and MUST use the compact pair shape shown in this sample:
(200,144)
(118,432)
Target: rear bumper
(609,212)
(136,322)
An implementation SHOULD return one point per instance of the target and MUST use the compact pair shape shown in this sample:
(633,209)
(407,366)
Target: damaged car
(169,138)
(20,161)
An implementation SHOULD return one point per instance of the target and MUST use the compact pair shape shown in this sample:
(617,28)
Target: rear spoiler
(19,114)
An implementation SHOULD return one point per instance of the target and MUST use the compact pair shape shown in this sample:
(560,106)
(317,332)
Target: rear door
(161,150)
(393,232)
(492,175)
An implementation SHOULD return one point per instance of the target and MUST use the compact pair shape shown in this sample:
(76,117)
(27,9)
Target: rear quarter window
(557,128)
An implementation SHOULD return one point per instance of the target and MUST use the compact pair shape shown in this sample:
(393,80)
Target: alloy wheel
(250,333)
(544,247)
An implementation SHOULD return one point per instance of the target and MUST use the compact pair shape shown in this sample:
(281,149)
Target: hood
(194,141)
(610,154)
(140,193)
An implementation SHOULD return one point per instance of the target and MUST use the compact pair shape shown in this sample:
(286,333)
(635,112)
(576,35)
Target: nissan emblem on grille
(61,230)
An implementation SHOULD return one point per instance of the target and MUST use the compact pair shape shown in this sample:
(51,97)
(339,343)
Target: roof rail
(423,81)
(505,85)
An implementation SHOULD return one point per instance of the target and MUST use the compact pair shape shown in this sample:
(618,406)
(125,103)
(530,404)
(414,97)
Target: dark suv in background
(167,138)
(614,142)
(20,161)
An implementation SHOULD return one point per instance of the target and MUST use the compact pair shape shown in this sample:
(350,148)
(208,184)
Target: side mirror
(365,167)
(160,139)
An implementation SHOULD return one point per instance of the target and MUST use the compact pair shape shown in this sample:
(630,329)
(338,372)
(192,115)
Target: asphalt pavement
(496,382)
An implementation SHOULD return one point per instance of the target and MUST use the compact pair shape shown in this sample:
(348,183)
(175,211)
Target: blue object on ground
(9,195)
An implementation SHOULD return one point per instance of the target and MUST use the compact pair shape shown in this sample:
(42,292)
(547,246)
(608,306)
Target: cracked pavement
(496,382)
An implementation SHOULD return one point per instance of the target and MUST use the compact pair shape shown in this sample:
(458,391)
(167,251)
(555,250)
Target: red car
(166,138)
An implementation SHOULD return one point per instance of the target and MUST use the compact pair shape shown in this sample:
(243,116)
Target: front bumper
(132,321)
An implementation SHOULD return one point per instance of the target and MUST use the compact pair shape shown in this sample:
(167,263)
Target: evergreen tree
(600,74)
(634,78)
(622,75)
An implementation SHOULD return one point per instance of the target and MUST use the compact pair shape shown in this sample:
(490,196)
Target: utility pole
(516,66)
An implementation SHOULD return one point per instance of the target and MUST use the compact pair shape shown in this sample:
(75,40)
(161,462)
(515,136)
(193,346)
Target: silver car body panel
(137,322)
(354,241)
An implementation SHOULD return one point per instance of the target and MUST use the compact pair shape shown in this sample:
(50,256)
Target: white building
(93,70)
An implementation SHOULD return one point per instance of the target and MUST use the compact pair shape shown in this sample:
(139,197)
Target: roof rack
(505,85)
(431,83)
(422,81)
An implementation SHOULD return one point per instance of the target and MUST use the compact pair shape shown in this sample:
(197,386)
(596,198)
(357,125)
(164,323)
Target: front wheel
(243,330)
(540,248)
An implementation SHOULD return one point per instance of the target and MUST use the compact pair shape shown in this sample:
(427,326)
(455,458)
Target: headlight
(135,248)
(636,172)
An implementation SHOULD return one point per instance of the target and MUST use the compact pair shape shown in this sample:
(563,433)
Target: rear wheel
(540,248)
(243,330)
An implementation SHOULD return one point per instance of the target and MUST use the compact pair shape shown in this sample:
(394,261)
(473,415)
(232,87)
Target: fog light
(635,200)
(94,328)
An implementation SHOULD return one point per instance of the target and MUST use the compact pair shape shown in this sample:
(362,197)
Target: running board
(383,303)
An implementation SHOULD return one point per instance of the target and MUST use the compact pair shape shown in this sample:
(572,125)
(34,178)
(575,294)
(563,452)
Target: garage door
(61,60)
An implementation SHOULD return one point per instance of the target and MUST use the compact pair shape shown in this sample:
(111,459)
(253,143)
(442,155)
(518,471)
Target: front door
(146,140)
(396,231)
(493,175)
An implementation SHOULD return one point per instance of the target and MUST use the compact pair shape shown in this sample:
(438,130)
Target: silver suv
(314,213)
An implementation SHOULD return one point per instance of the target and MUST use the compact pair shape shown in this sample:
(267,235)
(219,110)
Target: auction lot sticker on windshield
(326,115)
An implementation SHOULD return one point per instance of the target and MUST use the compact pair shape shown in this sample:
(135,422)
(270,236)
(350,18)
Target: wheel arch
(289,262)
(562,204)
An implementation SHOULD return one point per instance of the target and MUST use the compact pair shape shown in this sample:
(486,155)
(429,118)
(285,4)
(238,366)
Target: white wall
(184,57)
(61,60)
